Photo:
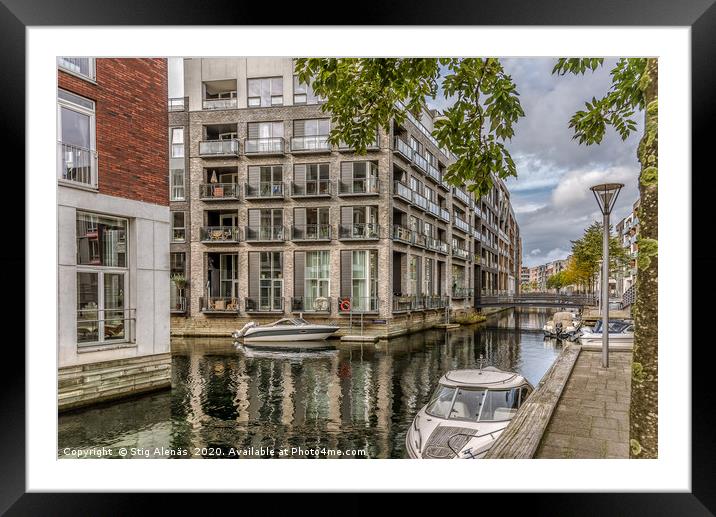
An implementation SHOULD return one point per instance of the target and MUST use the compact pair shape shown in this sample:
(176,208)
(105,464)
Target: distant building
(627,231)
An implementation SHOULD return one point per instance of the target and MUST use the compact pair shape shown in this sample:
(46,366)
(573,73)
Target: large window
(83,66)
(177,268)
(178,227)
(267,91)
(317,274)
(271,281)
(303,93)
(177,142)
(311,134)
(364,287)
(102,315)
(176,185)
(76,134)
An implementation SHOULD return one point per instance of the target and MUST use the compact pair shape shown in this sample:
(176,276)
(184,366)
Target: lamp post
(606,195)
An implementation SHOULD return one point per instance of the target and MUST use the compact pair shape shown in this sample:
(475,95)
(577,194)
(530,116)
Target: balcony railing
(104,326)
(461,224)
(420,201)
(358,187)
(434,173)
(318,143)
(403,234)
(209,148)
(177,304)
(372,146)
(462,196)
(264,304)
(434,209)
(462,292)
(212,304)
(418,302)
(175,104)
(359,231)
(420,162)
(354,304)
(402,190)
(460,253)
(437,245)
(476,233)
(445,214)
(306,304)
(316,188)
(220,104)
(215,234)
(264,189)
(311,232)
(77,164)
(403,149)
(265,146)
(265,234)
(219,191)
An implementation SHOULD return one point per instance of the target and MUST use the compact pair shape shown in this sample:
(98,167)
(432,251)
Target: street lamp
(606,195)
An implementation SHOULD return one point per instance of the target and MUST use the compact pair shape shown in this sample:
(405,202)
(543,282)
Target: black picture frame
(700,15)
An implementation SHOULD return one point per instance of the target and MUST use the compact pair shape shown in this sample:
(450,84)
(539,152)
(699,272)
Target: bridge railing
(537,298)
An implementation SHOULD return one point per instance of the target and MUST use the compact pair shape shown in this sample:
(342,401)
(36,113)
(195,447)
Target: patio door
(228,275)
(101,309)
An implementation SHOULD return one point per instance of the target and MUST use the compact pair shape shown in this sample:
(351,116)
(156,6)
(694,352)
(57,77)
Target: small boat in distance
(563,325)
(284,330)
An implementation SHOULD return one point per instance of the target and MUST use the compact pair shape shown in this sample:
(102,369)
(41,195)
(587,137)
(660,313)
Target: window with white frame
(77,158)
(177,142)
(178,227)
(303,93)
(265,91)
(102,280)
(82,66)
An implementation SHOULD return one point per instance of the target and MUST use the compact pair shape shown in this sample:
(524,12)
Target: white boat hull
(614,339)
(301,335)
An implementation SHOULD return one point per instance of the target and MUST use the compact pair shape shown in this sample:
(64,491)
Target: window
(177,272)
(413,275)
(428,287)
(317,276)
(359,177)
(440,402)
(260,130)
(265,181)
(77,159)
(364,285)
(101,279)
(311,134)
(178,227)
(271,281)
(303,93)
(177,142)
(265,92)
(101,240)
(176,185)
(83,66)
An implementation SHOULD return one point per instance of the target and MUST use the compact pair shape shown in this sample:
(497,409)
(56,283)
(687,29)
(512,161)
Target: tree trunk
(643,417)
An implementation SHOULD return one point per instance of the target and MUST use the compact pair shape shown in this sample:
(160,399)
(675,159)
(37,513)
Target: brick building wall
(131,121)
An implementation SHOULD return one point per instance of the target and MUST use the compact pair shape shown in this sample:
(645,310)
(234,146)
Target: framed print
(380,241)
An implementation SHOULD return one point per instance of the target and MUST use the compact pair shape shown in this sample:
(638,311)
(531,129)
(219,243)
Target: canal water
(358,399)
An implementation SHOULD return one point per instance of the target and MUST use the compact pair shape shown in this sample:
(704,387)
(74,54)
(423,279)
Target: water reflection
(360,396)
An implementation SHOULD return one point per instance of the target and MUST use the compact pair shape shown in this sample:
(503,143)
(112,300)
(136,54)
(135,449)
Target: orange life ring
(345,305)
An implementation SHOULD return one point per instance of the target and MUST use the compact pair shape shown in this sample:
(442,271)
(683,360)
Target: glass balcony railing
(461,224)
(265,146)
(317,143)
(175,104)
(445,214)
(265,234)
(461,195)
(420,201)
(402,148)
(308,304)
(358,304)
(433,208)
(400,189)
(264,189)
(219,104)
(264,304)
(359,231)
(316,188)
(460,253)
(217,234)
(420,162)
(209,148)
(402,234)
(462,292)
(219,191)
(311,232)
(219,304)
(368,186)
(434,174)
(437,245)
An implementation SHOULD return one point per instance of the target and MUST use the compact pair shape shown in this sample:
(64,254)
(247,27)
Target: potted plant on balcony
(180,282)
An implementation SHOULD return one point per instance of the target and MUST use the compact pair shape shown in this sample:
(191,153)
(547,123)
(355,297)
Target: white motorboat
(563,325)
(466,414)
(284,330)
(621,332)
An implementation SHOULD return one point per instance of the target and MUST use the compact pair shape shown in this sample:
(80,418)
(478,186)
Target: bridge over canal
(537,300)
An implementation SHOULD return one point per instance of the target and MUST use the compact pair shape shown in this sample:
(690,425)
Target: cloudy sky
(550,196)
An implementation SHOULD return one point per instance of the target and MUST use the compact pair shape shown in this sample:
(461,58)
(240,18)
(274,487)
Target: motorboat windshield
(476,405)
(615,327)
(288,322)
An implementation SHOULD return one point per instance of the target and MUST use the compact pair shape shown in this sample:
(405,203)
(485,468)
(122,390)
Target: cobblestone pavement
(591,419)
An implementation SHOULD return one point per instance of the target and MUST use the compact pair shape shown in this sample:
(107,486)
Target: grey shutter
(254,219)
(299,222)
(346,215)
(299,128)
(324,171)
(253,130)
(254,176)
(346,272)
(254,273)
(418,265)
(346,172)
(299,265)
(299,174)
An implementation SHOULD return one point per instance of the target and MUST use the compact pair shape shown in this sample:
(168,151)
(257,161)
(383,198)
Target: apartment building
(269,219)
(627,230)
(113,228)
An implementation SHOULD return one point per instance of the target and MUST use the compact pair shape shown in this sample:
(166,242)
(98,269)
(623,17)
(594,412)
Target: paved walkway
(591,419)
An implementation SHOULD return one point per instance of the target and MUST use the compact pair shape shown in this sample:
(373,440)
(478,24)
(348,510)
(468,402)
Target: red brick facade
(132,126)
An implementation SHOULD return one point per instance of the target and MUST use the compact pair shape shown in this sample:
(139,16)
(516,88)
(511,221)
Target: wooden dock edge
(523,434)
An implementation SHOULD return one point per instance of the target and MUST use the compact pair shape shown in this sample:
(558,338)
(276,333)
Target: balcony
(219,234)
(264,190)
(420,162)
(462,292)
(461,195)
(220,104)
(357,305)
(265,146)
(437,245)
(359,231)
(476,233)
(177,305)
(434,174)
(461,224)
(311,232)
(434,209)
(445,214)
(310,144)
(418,303)
(264,304)
(460,253)
(320,304)
(360,187)
(265,234)
(219,148)
(175,104)
(219,305)
(420,201)
(401,190)
(402,234)
(403,149)
(219,191)
(317,188)
(77,164)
